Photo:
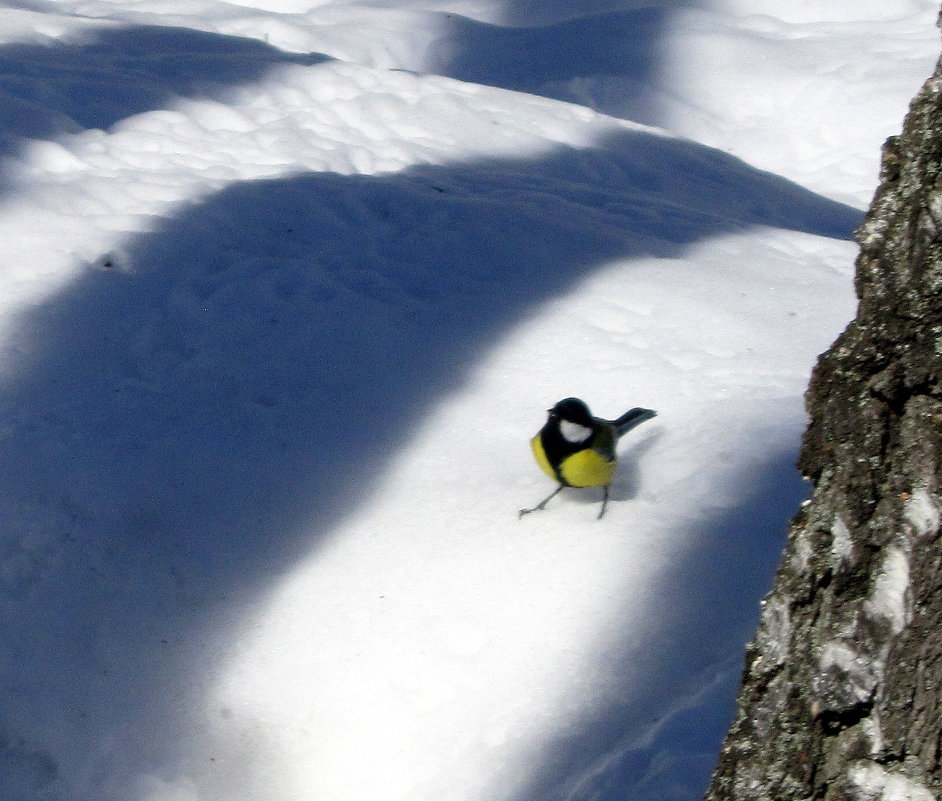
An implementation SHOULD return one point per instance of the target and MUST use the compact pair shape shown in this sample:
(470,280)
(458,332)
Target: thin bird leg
(542,504)
(604,502)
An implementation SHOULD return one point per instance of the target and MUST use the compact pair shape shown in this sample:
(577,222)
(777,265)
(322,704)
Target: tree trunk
(842,690)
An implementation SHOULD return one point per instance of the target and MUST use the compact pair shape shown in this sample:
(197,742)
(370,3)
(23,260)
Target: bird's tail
(631,418)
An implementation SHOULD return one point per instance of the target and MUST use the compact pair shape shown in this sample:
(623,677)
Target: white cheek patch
(573,432)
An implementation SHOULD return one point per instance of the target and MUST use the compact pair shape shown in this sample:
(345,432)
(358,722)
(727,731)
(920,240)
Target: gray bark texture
(842,689)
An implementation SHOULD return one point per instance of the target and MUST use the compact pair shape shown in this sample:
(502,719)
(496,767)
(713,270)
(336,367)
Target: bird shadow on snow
(627,481)
(108,74)
(193,415)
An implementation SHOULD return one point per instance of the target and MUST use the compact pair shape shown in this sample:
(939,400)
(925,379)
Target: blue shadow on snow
(185,416)
(188,414)
(599,53)
(113,73)
(674,698)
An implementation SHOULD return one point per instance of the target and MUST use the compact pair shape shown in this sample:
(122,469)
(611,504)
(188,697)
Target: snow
(287,288)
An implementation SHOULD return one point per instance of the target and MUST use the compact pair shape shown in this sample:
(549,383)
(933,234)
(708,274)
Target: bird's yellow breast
(540,455)
(587,468)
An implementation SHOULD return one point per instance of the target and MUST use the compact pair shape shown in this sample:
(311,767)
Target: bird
(578,450)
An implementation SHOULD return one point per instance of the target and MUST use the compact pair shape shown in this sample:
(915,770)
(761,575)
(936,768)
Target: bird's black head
(573,410)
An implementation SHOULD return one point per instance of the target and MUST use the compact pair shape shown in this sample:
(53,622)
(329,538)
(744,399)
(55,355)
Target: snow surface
(288,285)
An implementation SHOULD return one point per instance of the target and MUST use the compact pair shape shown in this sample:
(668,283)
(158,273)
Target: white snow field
(287,285)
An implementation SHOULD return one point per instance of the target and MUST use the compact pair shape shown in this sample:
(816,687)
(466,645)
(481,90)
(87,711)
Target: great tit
(578,450)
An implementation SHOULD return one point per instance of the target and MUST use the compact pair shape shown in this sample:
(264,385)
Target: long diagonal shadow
(182,427)
(111,73)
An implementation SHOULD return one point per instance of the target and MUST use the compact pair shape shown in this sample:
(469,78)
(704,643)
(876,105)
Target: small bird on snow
(578,450)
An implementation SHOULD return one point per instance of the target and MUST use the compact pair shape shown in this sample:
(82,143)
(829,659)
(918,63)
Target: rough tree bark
(842,689)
